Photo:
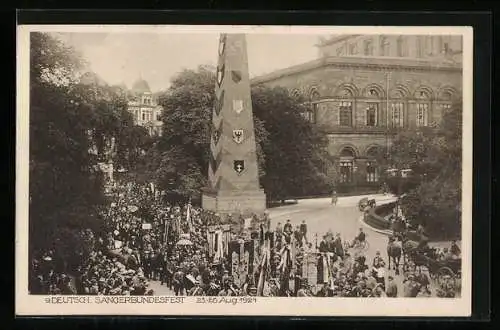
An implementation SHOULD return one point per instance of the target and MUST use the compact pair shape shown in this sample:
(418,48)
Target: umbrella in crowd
(184,242)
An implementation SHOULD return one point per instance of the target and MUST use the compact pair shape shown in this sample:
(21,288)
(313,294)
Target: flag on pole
(188,216)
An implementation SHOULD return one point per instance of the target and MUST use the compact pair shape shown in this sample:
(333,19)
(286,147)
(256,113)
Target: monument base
(245,203)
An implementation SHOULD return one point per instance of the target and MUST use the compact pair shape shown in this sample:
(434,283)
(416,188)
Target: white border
(34,305)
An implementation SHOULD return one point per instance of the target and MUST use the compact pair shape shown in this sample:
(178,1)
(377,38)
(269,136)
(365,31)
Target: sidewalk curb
(380,231)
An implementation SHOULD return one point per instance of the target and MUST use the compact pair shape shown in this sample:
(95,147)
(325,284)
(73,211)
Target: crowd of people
(147,239)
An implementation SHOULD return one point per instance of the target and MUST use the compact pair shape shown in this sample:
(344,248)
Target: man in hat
(454,249)
(392,289)
(323,245)
(339,249)
(360,238)
(303,292)
(178,281)
(379,291)
(411,287)
(288,229)
(298,236)
(225,276)
(334,197)
(325,291)
(303,230)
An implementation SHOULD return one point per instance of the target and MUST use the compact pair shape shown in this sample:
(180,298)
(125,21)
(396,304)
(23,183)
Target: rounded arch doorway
(347,157)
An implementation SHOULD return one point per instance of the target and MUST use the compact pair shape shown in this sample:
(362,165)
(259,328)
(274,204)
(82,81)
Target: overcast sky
(125,57)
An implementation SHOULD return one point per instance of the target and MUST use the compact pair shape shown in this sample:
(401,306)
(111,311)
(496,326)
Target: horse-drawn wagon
(443,271)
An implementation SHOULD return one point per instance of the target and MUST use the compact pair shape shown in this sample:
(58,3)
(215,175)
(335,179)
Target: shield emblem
(238,106)
(238,135)
(220,74)
(219,103)
(222,44)
(239,166)
(236,75)
(217,132)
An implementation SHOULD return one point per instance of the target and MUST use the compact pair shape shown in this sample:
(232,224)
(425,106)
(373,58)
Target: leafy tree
(434,155)
(295,150)
(289,150)
(183,151)
(63,188)
(70,115)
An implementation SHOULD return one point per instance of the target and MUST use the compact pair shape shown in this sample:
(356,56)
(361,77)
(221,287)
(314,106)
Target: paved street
(160,290)
(343,218)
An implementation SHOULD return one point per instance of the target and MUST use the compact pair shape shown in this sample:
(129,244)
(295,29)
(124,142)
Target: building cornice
(373,63)
(337,39)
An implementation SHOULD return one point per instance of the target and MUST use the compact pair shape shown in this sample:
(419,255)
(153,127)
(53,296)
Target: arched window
(423,105)
(345,113)
(397,114)
(441,44)
(368,47)
(295,93)
(384,46)
(346,95)
(398,105)
(420,47)
(347,155)
(401,46)
(428,45)
(353,49)
(313,110)
(374,95)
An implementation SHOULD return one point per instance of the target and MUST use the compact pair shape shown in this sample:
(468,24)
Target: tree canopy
(69,117)
(290,151)
(434,155)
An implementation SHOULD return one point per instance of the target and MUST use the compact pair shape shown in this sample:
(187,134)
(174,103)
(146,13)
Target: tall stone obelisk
(233,170)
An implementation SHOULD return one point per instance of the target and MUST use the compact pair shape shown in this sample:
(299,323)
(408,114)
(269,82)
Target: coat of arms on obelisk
(239,166)
(238,135)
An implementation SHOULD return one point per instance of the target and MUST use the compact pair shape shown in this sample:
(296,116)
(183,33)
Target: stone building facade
(361,96)
(144,108)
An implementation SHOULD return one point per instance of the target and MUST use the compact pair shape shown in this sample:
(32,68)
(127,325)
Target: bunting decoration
(310,268)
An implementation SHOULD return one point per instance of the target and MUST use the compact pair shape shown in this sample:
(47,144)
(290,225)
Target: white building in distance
(144,108)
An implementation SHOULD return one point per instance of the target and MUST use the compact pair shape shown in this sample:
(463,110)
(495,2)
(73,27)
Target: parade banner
(324,273)
(218,246)
(310,268)
(241,254)
(256,253)
(218,237)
